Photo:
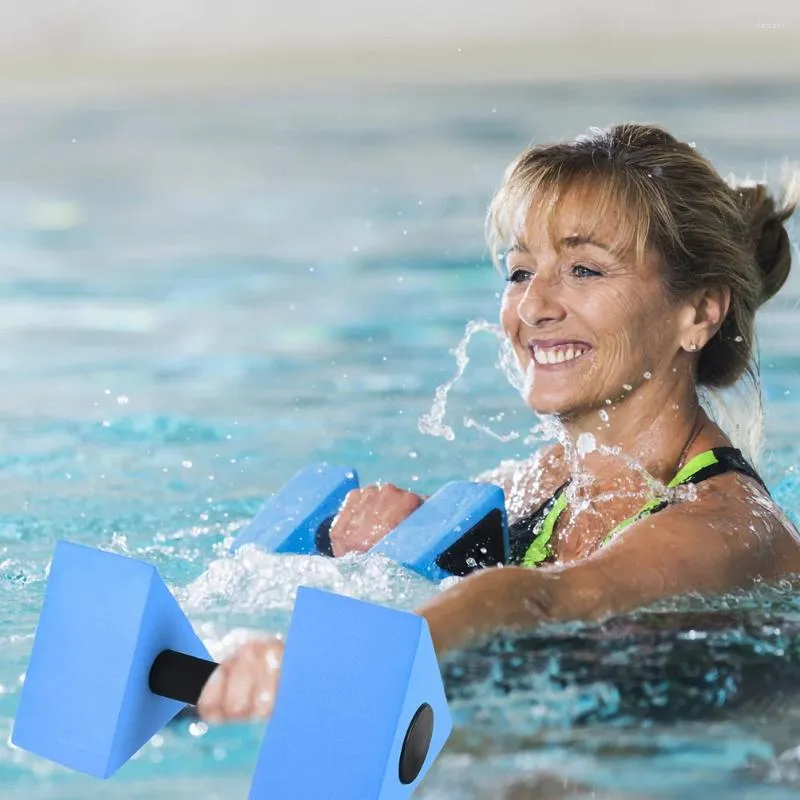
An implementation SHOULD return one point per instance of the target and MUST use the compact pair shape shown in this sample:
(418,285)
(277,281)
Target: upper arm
(680,550)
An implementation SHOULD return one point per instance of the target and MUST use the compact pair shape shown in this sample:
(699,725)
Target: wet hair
(669,199)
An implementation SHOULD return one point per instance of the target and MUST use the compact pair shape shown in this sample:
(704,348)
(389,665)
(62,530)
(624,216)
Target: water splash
(505,438)
(432,423)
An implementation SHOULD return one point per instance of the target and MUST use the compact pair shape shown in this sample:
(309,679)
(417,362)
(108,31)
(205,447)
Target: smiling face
(588,321)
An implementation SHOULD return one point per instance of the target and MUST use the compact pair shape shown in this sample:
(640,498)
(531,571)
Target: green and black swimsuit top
(530,537)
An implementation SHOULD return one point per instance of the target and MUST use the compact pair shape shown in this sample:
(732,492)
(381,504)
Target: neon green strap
(541,548)
(700,461)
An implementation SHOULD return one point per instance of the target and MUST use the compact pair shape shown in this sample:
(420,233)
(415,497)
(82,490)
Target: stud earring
(693,346)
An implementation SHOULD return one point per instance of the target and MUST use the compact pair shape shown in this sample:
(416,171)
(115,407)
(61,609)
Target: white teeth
(556,355)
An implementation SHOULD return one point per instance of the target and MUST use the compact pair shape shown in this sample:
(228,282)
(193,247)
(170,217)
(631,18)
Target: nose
(541,303)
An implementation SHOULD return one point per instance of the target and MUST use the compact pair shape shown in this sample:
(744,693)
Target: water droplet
(412,454)
(123,400)
(198,729)
(604,415)
(187,464)
(627,387)
(586,443)
(647,375)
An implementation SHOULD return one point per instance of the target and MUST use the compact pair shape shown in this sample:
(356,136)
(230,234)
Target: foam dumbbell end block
(86,701)
(461,528)
(290,521)
(360,712)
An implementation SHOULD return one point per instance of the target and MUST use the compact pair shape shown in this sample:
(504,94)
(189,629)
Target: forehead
(579,213)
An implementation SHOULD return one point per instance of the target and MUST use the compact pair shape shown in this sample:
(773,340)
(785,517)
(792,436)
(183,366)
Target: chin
(552,404)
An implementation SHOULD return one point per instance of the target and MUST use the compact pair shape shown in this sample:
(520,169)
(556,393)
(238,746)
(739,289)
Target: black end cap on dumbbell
(322,538)
(416,744)
(481,546)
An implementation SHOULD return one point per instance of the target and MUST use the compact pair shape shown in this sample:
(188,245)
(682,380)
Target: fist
(244,685)
(368,514)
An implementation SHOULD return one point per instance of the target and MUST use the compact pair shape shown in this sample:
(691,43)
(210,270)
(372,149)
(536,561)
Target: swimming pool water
(202,293)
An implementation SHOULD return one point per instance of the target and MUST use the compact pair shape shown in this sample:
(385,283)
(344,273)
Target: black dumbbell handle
(177,676)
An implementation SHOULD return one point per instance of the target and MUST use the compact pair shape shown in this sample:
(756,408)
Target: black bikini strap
(729,459)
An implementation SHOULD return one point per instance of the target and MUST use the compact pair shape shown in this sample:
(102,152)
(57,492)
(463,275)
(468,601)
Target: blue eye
(518,276)
(582,271)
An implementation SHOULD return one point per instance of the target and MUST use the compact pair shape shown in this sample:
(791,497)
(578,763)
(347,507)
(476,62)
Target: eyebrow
(575,240)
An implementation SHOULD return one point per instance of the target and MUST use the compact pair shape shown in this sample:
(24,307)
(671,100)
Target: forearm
(493,600)
(515,599)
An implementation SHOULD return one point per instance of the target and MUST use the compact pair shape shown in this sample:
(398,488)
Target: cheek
(509,314)
(624,316)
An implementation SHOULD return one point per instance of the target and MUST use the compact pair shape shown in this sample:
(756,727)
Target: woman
(633,276)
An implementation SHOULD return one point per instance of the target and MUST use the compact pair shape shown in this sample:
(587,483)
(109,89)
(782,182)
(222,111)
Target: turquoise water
(202,293)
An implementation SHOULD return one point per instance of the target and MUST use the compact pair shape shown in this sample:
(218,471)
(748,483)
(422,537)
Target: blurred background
(237,238)
(424,41)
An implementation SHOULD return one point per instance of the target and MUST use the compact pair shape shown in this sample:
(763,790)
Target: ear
(706,312)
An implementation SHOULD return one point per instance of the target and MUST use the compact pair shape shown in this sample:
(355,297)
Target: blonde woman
(634,272)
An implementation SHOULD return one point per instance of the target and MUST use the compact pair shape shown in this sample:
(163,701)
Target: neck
(654,427)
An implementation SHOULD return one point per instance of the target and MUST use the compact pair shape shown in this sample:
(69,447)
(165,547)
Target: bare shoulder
(736,513)
(529,482)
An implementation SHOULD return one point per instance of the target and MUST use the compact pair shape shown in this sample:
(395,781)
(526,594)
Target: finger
(412,501)
(342,522)
(209,706)
(239,686)
(264,689)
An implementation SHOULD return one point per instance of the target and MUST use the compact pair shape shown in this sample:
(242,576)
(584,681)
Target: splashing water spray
(433,423)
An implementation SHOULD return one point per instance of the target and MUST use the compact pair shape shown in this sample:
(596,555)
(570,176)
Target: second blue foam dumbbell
(461,528)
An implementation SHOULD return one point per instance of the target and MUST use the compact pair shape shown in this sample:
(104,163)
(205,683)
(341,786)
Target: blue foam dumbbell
(114,659)
(461,528)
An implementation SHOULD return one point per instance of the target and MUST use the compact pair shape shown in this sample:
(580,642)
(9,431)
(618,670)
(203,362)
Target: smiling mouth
(558,354)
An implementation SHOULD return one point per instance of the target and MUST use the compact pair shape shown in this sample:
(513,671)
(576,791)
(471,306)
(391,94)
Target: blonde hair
(668,199)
